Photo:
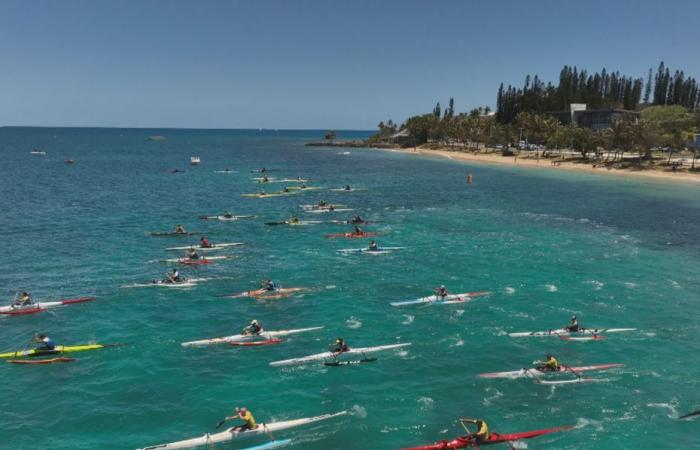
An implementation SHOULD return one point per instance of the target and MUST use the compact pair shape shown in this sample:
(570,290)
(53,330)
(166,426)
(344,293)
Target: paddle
(694,413)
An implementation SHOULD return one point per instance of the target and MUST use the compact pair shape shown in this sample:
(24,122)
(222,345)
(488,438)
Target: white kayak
(450,299)
(226,218)
(346,190)
(231,433)
(538,373)
(331,355)
(565,332)
(247,337)
(207,249)
(367,251)
(41,306)
(281,180)
(191,282)
(200,260)
(323,211)
(318,207)
(225,171)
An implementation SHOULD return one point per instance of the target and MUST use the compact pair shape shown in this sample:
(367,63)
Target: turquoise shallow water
(616,252)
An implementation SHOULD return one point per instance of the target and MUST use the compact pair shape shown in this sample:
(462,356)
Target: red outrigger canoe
(494,438)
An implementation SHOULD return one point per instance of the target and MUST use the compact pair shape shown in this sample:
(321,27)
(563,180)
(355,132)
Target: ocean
(615,252)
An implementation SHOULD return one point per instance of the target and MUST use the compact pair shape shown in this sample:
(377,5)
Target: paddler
(180,230)
(253,329)
(265,179)
(441,292)
(286,189)
(358,231)
(293,220)
(331,208)
(228,214)
(23,300)
(482,433)
(204,242)
(321,204)
(192,253)
(347,187)
(303,186)
(268,285)
(246,416)
(45,342)
(174,276)
(339,347)
(573,326)
(357,220)
(373,247)
(550,365)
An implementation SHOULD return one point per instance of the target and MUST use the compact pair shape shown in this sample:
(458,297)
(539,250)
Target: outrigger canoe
(187,282)
(446,300)
(226,218)
(58,350)
(351,235)
(268,335)
(271,194)
(327,206)
(565,332)
(267,294)
(297,223)
(173,233)
(331,355)
(41,306)
(327,210)
(536,373)
(232,434)
(211,248)
(494,438)
(197,261)
(369,251)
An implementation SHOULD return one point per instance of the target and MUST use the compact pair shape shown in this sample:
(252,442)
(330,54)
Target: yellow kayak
(57,350)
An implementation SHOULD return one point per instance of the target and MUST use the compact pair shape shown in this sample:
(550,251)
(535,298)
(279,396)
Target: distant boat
(156,138)
(194,160)
(38,152)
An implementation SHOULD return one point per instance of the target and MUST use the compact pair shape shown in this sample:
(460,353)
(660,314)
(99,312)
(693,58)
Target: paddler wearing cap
(253,329)
(573,326)
(246,416)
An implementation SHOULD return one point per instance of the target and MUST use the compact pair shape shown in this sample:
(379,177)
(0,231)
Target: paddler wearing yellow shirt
(482,433)
(246,416)
(550,365)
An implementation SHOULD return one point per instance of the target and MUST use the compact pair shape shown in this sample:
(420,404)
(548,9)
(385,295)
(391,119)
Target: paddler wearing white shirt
(253,329)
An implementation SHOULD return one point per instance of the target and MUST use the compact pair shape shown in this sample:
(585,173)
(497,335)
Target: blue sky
(310,64)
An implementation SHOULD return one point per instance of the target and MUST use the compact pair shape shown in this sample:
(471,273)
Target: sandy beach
(549,163)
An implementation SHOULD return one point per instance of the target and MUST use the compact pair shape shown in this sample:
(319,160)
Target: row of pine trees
(609,90)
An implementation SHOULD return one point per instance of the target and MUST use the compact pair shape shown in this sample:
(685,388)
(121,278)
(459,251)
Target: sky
(326,64)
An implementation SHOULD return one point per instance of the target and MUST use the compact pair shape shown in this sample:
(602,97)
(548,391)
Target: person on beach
(246,416)
(45,342)
(253,329)
(573,326)
(550,365)
(339,347)
(23,300)
(204,242)
(482,430)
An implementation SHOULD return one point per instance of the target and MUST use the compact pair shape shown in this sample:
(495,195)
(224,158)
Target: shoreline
(547,163)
